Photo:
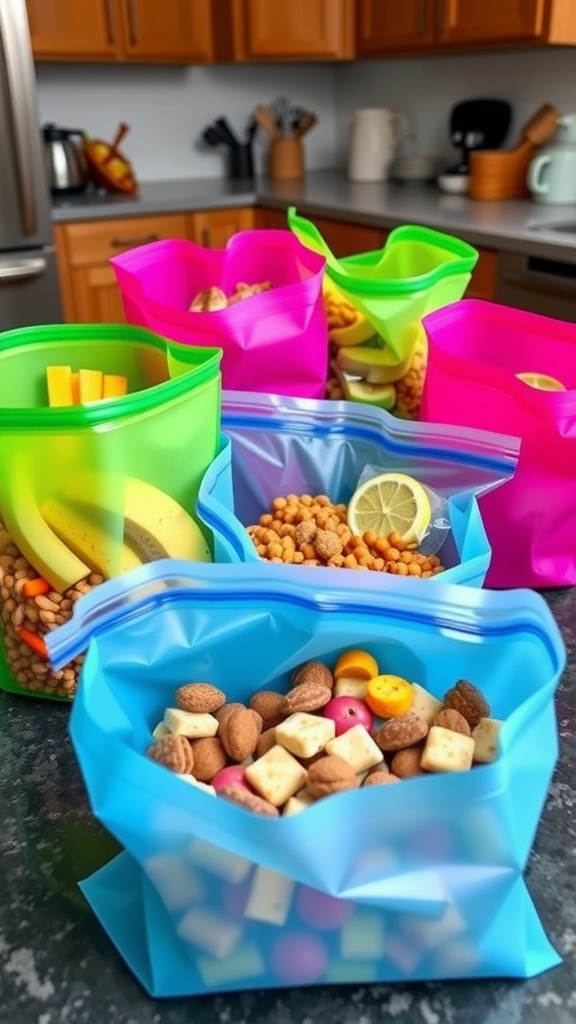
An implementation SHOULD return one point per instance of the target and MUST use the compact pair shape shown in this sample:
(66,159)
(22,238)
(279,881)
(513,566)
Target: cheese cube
(447,751)
(362,936)
(297,803)
(357,747)
(189,723)
(175,880)
(276,775)
(160,731)
(431,932)
(245,962)
(424,704)
(350,688)
(305,735)
(209,931)
(486,736)
(229,866)
(270,897)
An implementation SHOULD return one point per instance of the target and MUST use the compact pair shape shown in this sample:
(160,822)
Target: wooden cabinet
(295,30)
(484,276)
(83,249)
(344,239)
(176,31)
(384,26)
(213,228)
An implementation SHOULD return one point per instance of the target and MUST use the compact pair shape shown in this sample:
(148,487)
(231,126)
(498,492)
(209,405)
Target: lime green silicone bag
(96,488)
(382,358)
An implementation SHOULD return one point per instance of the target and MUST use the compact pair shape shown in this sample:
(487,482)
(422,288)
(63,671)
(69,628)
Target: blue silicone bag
(421,880)
(281,445)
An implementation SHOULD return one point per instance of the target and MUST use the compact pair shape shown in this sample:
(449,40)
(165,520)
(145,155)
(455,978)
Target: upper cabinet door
(478,21)
(385,25)
(68,30)
(293,29)
(169,31)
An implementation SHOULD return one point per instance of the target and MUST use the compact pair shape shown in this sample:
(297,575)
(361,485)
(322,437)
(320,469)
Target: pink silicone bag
(475,349)
(275,342)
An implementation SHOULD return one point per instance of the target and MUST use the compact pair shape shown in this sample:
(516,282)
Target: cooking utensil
(305,123)
(66,165)
(212,136)
(109,168)
(266,120)
(221,125)
(281,108)
(542,125)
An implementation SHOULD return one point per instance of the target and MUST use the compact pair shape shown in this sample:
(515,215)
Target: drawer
(91,242)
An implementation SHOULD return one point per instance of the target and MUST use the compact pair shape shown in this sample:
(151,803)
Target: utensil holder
(241,162)
(286,159)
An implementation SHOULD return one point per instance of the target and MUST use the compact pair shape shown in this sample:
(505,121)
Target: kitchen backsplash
(168,106)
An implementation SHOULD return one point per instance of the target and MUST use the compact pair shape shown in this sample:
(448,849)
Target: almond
(306,697)
(469,701)
(173,752)
(379,779)
(240,732)
(406,763)
(209,758)
(313,672)
(268,704)
(451,719)
(402,731)
(202,698)
(330,775)
(250,801)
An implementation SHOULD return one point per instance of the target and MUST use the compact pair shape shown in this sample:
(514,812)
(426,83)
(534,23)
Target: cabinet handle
(205,235)
(109,15)
(123,243)
(132,22)
(422,17)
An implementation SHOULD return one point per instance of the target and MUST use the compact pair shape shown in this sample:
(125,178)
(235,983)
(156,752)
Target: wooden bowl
(108,166)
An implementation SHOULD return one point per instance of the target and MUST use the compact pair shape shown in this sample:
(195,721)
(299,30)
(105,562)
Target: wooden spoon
(266,120)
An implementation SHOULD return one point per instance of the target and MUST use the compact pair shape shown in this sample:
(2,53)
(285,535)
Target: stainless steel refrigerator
(28,279)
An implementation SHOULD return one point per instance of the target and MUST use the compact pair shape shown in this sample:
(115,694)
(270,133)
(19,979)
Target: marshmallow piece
(305,735)
(447,751)
(362,936)
(176,881)
(276,775)
(350,688)
(160,731)
(357,747)
(198,785)
(486,736)
(210,932)
(297,803)
(429,932)
(244,962)
(216,861)
(188,723)
(424,704)
(270,897)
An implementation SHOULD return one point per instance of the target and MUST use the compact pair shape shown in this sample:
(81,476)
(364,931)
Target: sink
(566,227)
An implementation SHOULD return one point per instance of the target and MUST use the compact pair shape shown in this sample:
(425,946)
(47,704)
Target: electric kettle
(552,173)
(66,166)
(374,136)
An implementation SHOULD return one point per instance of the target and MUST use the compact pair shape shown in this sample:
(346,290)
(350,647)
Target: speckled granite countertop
(58,967)
(506,225)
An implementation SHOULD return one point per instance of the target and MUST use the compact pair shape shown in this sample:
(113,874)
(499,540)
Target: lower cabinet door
(96,297)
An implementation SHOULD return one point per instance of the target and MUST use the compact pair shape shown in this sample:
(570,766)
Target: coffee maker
(477,124)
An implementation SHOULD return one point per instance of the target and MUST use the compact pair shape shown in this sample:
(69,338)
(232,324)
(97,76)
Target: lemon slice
(390,503)
(541,381)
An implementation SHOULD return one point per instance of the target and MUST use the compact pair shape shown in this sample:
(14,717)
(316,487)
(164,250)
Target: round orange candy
(388,696)
(356,664)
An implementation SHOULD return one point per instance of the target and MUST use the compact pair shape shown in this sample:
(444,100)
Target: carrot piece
(33,640)
(32,588)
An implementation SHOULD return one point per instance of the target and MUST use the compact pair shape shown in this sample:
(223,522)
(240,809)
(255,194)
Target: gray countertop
(58,967)
(504,225)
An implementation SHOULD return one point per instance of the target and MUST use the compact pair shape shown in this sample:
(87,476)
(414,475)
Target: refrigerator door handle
(21,84)
(22,269)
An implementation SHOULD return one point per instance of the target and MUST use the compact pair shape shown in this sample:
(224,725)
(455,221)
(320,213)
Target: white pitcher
(375,134)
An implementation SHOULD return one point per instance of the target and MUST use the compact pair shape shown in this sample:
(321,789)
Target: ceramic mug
(375,135)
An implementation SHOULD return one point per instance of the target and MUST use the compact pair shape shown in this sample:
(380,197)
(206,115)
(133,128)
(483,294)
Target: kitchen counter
(504,225)
(58,967)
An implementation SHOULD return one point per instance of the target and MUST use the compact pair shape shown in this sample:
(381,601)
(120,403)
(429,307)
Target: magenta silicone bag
(275,342)
(475,350)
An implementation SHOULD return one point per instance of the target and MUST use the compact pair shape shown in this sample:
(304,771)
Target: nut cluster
(409,388)
(209,300)
(280,753)
(312,530)
(34,617)
(339,312)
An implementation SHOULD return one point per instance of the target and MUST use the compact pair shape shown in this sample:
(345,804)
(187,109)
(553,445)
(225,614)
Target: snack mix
(334,730)
(312,530)
(211,299)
